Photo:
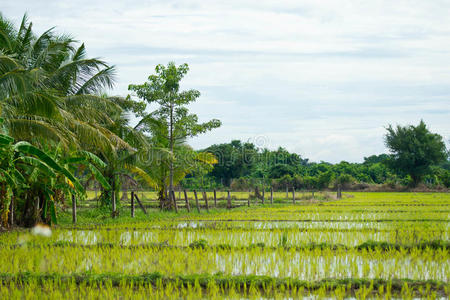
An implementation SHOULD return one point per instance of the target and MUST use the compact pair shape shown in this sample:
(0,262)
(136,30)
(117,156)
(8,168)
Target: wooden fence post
(205,197)
(196,201)
(172,193)
(339,194)
(287,193)
(263,196)
(187,201)
(74,209)
(271,195)
(293,195)
(215,198)
(132,204)
(228,199)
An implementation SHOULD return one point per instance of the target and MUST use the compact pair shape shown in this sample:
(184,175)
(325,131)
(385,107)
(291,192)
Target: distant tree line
(417,157)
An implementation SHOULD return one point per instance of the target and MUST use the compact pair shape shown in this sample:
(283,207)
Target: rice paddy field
(363,246)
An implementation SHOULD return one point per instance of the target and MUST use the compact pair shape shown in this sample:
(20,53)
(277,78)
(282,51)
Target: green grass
(364,245)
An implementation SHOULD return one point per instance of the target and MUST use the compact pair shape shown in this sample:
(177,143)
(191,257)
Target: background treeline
(242,166)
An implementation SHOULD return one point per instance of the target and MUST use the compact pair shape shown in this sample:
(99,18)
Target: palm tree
(50,96)
(49,90)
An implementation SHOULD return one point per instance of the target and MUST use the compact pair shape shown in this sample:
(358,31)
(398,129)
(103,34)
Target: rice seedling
(358,247)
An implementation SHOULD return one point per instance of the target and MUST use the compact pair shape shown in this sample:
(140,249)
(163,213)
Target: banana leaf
(99,177)
(37,163)
(6,140)
(32,150)
(92,158)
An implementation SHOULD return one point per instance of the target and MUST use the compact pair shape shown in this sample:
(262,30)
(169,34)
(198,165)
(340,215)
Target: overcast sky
(320,78)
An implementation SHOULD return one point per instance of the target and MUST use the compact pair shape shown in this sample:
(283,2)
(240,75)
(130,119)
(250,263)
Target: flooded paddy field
(358,247)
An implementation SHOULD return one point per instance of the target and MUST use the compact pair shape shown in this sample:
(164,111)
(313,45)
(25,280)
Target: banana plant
(37,180)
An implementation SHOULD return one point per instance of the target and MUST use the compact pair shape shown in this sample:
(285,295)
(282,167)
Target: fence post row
(74,209)
(187,201)
(196,201)
(171,194)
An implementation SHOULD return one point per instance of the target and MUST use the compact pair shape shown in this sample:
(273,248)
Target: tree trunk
(171,149)
(164,199)
(415,180)
(31,212)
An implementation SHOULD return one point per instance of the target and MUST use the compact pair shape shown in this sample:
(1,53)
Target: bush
(199,244)
(344,180)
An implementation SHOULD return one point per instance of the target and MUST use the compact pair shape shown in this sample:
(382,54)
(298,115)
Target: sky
(319,78)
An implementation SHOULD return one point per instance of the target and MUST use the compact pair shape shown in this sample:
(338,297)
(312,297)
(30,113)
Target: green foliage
(344,180)
(242,166)
(170,124)
(202,244)
(415,149)
(29,172)
(280,170)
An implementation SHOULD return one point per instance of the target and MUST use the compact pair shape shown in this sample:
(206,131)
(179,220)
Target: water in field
(307,243)
(270,233)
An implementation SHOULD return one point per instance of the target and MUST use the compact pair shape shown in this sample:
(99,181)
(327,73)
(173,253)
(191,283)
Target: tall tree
(50,96)
(414,149)
(49,89)
(163,89)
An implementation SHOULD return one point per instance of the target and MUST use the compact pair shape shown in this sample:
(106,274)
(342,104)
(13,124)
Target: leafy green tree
(414,150)
(344,180)
(235,160)
(324,179)
(373,159)
(279,170)
(163,89)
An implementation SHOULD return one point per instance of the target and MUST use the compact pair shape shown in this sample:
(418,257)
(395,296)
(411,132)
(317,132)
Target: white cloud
(318,77)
